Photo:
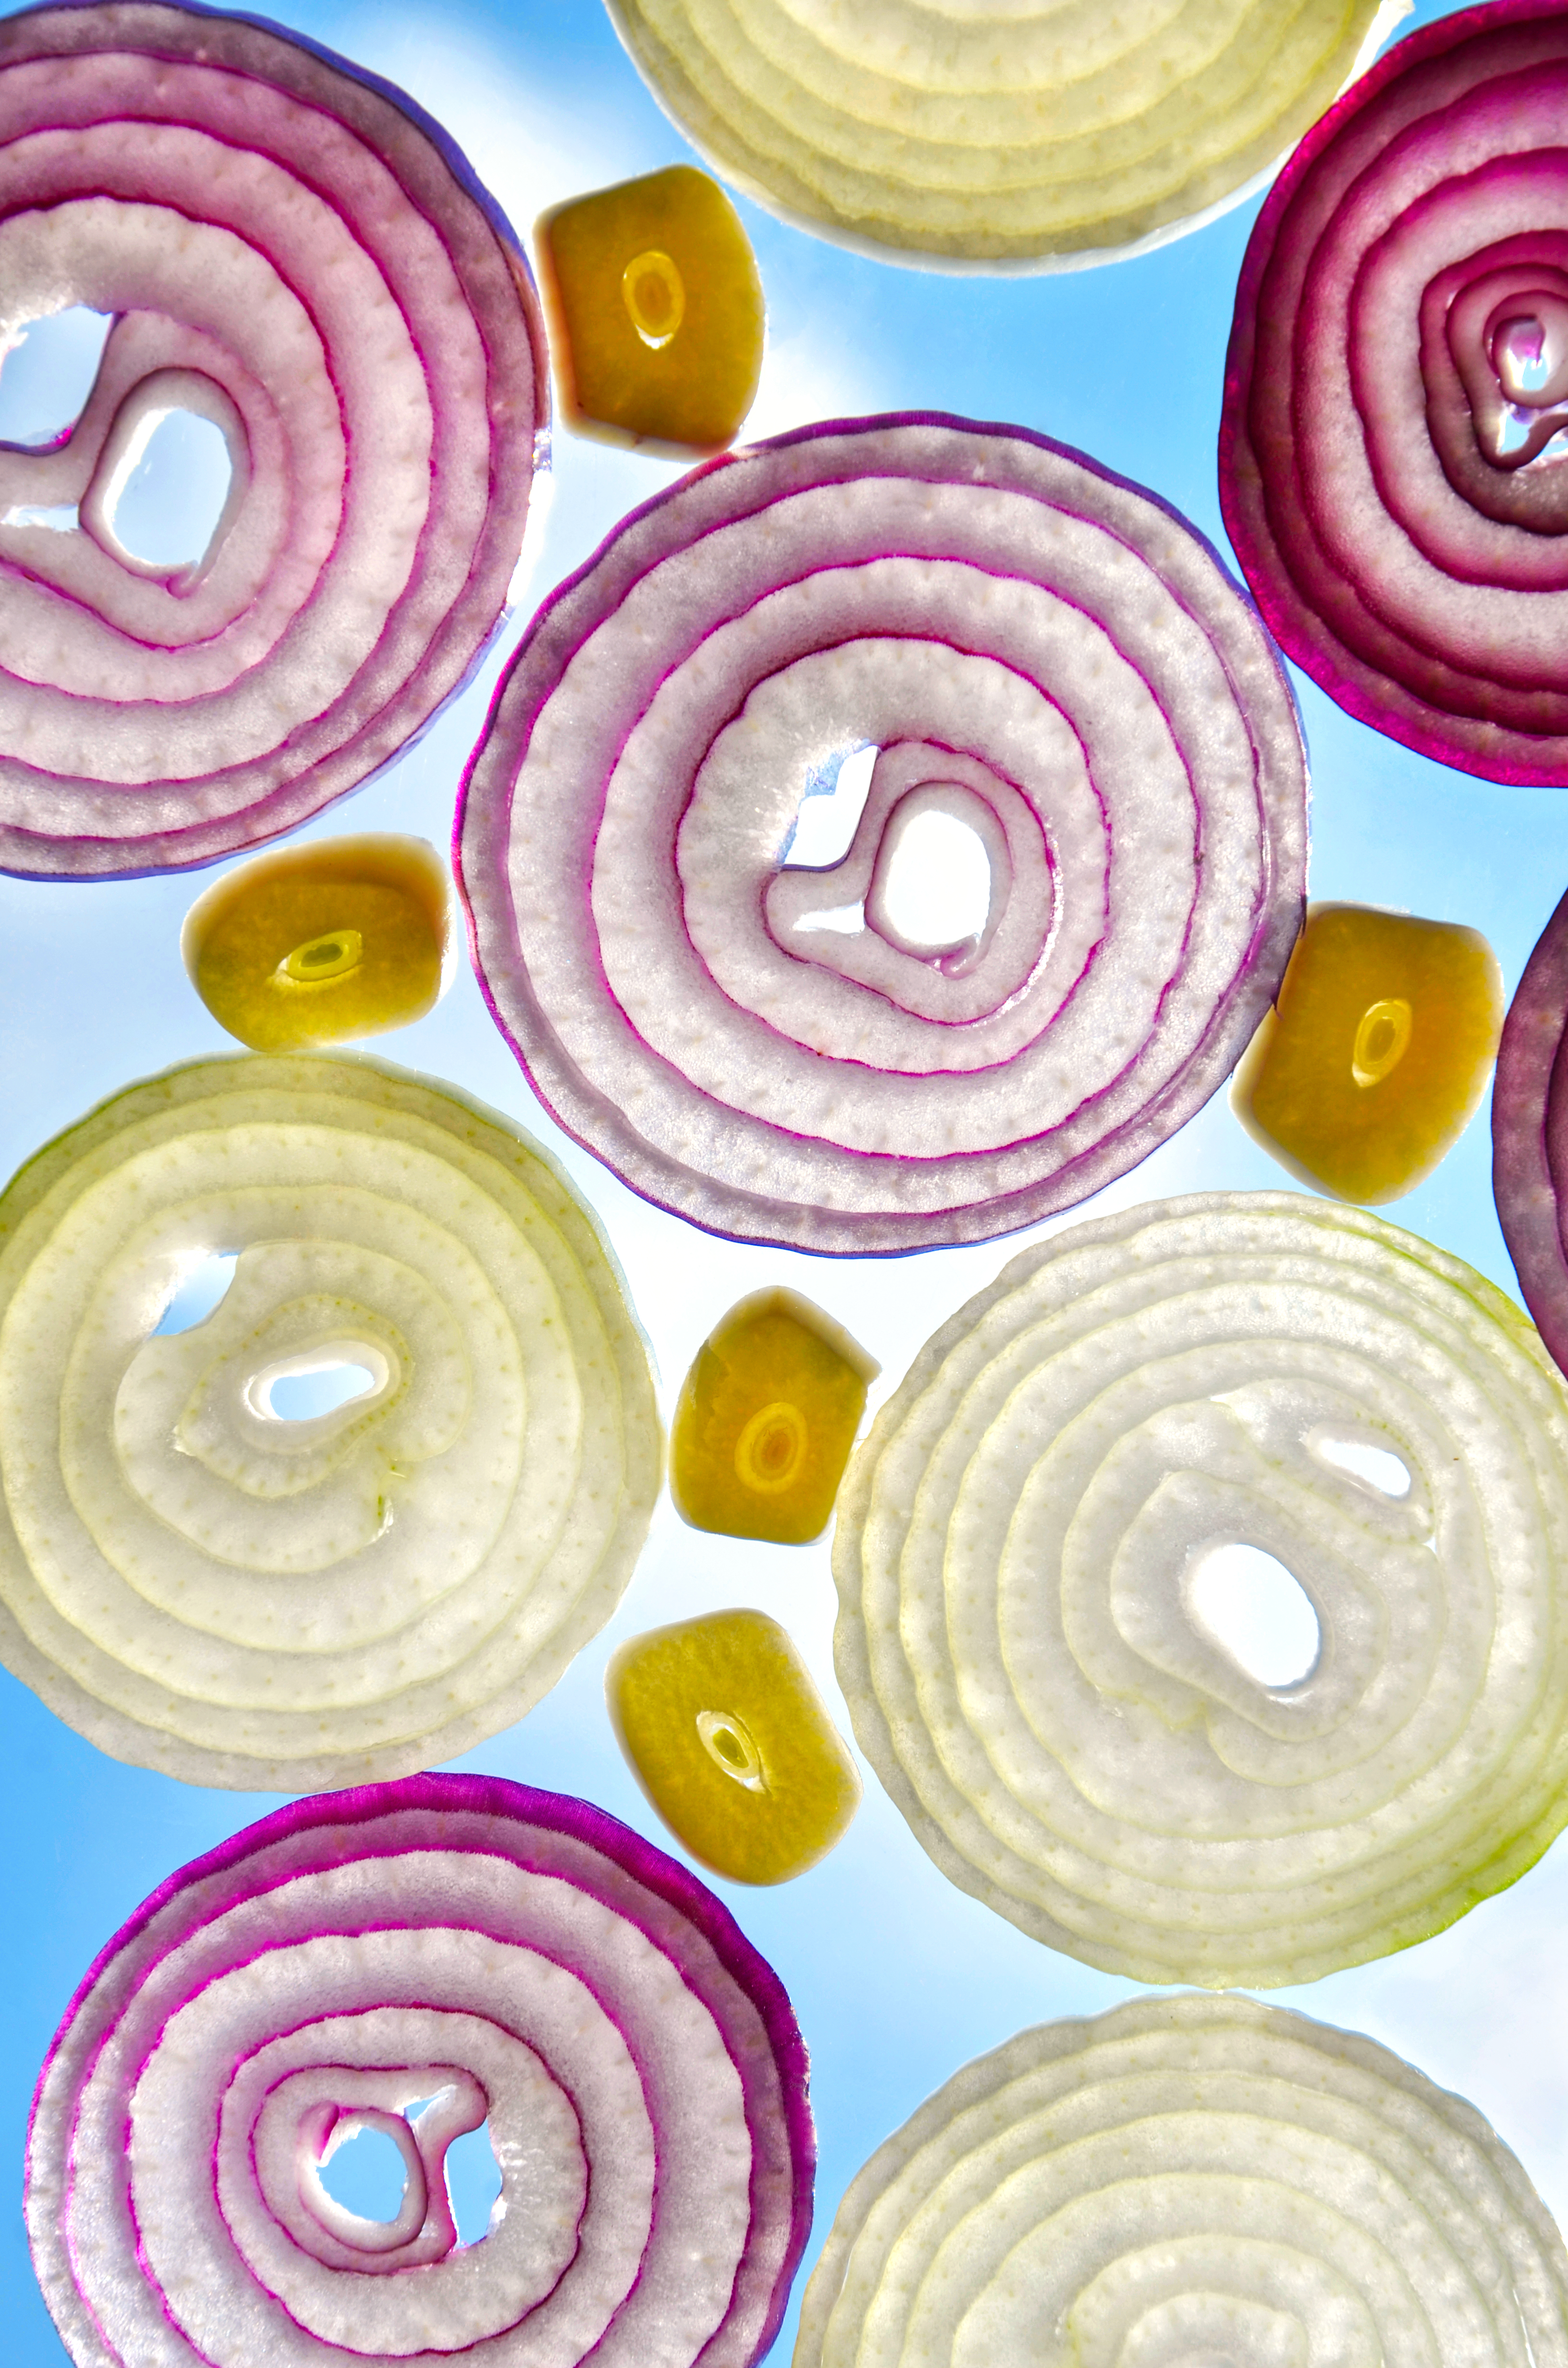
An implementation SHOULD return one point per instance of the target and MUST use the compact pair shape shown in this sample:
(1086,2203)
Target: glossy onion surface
(1025,1555)
(1048,662)
(1530,1135)
(294,253)
(1392,466)
(513,1958)
(201,1583)
(1189,2180)
(1018,138)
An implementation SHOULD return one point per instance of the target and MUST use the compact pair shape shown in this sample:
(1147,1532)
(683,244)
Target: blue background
(897,1979)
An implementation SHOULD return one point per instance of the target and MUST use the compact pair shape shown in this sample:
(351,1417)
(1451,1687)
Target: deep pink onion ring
(1530,1135)
(1039,651)
(293,250)
(1396,375)
(509,1952)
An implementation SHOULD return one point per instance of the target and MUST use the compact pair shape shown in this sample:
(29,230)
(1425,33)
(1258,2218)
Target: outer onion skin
(530,1936)
(1025,1657)
(1024,140)
(1369,464)
(1188,2177)
(201,1583)
(1529,1146)
(296,252)
(1041,651)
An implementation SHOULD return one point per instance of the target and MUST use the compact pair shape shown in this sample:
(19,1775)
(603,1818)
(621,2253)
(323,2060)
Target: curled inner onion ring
(502,1953)
(1023,139)
(200,1584)
(1189,2180)
(295,253)
(1043,655)
(1021,1638)
(1391,461)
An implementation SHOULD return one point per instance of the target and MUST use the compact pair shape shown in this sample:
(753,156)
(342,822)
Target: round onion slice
(200,1584)
(503,1954)
(1028,1638)
(1529,1133)
(1046,659)
(1189,2180)
(1021,139)
(1392,456)
(294,252)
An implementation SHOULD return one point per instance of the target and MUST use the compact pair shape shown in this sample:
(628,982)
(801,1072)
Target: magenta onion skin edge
(1529,1060)
(1388,706)
(661,1180)
(352,1811)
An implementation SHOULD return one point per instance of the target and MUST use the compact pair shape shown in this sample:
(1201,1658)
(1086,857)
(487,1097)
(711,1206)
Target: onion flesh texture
(1530,1135)
(1186,2180)
(1028,138)
(1023,1636)
(293,252)
(512,1955)
(1046,660)
(1392,456)
(198,1583)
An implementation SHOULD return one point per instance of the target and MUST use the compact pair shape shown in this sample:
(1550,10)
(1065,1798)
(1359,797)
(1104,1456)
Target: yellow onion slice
(293,252)
(1025,138)
(198,1583)
(1189,2180)
(1026,1639)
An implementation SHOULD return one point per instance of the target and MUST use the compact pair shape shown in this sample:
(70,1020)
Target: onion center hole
(938,891)
(304,1397)
(1382,1039)
(167,508)
(831,806)
(367,2175)
(1256,1611)
(46,376)
(1377,1466)
(200,1290)
(654,296)
(474,2182)
(730,1744)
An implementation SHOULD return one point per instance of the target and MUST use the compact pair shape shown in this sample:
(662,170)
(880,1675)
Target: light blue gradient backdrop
(896,1978)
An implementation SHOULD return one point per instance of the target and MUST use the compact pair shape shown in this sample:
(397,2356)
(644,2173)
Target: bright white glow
(1254,1608)
(198,1293)
(831,811)
(1376,1465)
(938,890)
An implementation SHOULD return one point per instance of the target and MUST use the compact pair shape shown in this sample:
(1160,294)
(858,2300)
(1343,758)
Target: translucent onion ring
(1182,2179)
(1394,382)
(1028,1667)
(293,251)
(200,1585)
(512,1955)
(1025,139)
(1530,1135)
(1040,651)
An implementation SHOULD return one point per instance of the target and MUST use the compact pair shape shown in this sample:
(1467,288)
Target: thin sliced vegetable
(1530,1135)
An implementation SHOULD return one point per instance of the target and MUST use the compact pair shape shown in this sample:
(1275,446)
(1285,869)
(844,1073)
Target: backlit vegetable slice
(295,254)
(1530,1135)
(1021,138)
(424,1958)
(202,1576)
(1183,2179)
(1032,1552)
(1054,675)
(1391,455)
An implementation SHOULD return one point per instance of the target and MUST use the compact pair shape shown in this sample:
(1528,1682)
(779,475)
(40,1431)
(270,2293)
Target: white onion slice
(1040,653)
(1022,1639)
(1188,2180)
(519,1958)
(199,1585)
(1027,138)
(293,251)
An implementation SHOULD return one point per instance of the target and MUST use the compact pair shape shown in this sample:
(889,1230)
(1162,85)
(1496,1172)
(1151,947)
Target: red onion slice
(512,1953)
(1393,467)
(293,251)
(1040,651)
(1530,1135)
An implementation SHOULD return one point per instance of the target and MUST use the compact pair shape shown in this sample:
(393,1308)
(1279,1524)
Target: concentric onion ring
(294,251)
(1188,2180)
(511,1954)
(199,1585)
(1021,139)
(1040,653)
(1022,1649)
(1529,1133)
(1397,371)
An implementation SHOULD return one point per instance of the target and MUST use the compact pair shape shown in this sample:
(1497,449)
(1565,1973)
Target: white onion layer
(202,1586)
(1024,139)
(1030,644)
(1183,2181)
(1016,1552)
